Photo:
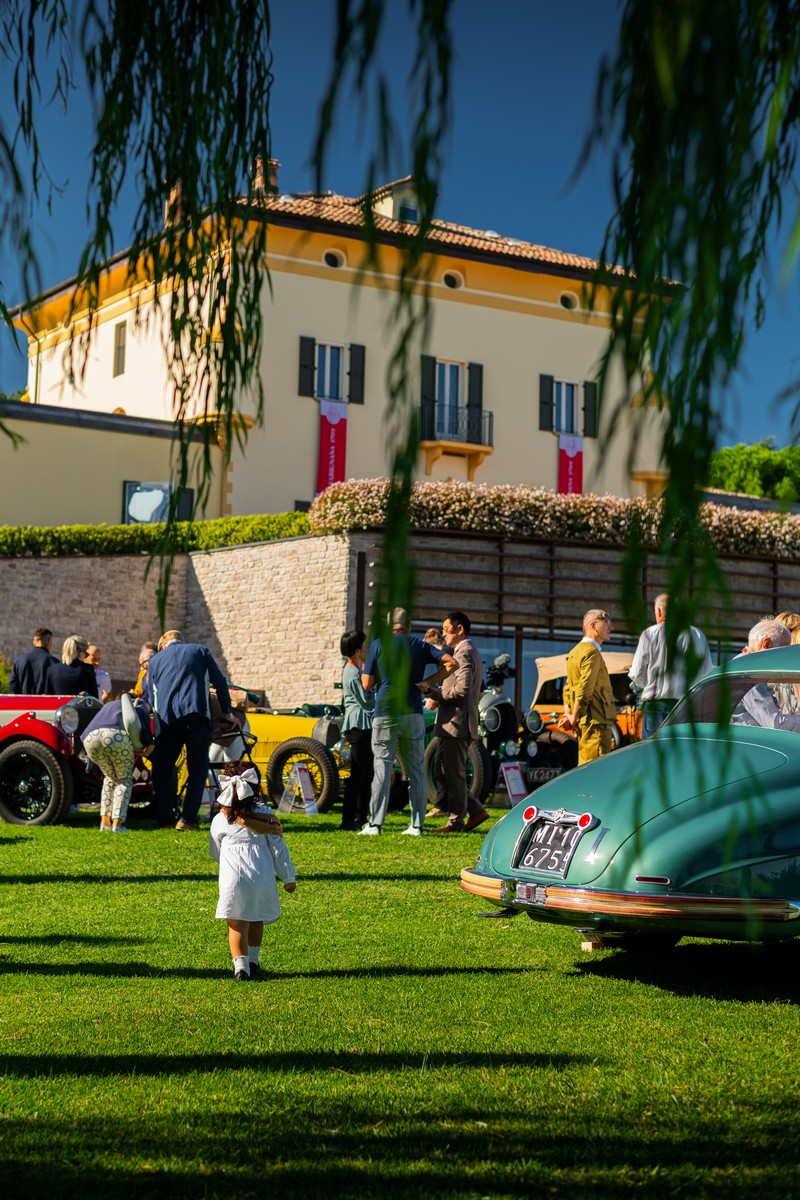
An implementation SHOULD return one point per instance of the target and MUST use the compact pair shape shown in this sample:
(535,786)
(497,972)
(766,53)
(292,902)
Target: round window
(453,279)
(333,258)
(568,300)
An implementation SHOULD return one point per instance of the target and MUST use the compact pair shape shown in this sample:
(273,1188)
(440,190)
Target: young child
(246,842)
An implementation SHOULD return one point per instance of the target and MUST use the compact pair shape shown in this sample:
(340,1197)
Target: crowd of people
(172,709)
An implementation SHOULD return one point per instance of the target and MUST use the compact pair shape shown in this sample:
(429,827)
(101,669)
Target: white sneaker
(412,831)
(370,830)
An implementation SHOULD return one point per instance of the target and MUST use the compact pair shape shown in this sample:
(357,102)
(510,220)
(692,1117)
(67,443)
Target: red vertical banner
(332,443)
(570,465)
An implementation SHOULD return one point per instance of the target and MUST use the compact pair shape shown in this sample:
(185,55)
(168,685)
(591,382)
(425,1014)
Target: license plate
(548,848)
(542,774)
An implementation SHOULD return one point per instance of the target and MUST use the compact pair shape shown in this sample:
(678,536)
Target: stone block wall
(105,599)
(272,614)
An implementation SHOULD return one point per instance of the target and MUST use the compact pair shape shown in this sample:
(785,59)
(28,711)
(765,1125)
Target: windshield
(771,702)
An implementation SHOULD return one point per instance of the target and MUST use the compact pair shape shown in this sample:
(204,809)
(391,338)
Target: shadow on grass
(368,877)
(14,841)
(347,1062)
(10,880)
(750,973)
(57,939)
(451,1152)
(139,970)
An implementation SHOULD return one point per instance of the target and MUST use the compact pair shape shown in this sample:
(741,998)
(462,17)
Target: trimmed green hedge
(67,541)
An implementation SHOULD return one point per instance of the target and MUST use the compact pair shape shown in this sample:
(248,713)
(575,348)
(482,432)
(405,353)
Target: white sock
(255,954)
(241,964)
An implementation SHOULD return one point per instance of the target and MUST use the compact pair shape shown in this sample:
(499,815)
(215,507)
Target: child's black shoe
(241,977)
(254,970)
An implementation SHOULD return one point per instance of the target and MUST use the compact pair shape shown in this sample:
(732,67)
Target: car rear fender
(31,727)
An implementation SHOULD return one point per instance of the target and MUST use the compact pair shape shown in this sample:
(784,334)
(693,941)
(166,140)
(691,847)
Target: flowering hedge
(524,511)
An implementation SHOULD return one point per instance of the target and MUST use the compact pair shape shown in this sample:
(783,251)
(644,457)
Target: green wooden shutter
(428,398)
(546,402)
(355,393)
(308,354)
(591,420)
(475,403)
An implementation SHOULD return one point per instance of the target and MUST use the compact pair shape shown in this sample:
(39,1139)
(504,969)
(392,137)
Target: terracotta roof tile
(349,212)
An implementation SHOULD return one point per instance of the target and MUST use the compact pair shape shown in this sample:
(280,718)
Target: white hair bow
(238,787)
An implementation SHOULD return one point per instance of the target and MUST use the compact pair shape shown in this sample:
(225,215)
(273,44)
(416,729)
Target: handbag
(130,721)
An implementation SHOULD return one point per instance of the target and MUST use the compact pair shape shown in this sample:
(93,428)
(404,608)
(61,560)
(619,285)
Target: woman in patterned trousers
(108,745)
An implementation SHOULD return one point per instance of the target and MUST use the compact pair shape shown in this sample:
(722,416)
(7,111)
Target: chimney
(270,184)
(173,209)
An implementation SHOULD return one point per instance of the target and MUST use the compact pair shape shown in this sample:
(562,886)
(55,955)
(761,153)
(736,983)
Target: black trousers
(357,790)
(193,732)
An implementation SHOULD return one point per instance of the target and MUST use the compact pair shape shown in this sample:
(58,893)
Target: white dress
(248,864)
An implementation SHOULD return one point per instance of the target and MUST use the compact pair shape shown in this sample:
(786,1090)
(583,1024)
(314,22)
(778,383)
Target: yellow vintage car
(308,735)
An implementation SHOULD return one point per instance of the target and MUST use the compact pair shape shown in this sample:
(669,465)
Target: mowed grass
(398,1046)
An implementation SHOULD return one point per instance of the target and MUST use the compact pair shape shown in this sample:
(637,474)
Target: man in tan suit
(589,706)
(457,723)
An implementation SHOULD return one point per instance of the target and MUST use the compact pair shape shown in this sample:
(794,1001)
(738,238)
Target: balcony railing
(474,426)
(463,432)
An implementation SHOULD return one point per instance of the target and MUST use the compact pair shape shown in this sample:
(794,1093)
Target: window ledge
(474,454)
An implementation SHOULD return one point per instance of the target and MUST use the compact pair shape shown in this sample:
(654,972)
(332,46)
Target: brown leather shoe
(187,826)
(477,820)
(436,812)
(448,828)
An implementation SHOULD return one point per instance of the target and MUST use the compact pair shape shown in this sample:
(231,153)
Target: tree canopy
(758,470)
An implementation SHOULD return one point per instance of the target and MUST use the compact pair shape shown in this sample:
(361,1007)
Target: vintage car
(311,736)
(545,750)
(43,769)
(694,832)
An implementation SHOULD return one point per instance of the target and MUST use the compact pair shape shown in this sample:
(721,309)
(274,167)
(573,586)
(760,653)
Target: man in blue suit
(177,686)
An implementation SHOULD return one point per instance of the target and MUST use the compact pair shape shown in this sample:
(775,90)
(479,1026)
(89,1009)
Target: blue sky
(523,88)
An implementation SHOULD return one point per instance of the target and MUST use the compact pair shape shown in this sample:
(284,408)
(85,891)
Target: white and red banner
(570,465)
(332,443)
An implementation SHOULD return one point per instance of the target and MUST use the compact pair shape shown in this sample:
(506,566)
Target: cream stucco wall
(509,320)
(67,474)
(140,391)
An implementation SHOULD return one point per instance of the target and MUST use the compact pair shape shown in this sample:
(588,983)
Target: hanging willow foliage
(181,90)
(700,106)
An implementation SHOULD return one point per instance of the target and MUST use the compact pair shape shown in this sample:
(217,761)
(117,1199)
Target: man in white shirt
(103,678)
(757,706)
(661,687)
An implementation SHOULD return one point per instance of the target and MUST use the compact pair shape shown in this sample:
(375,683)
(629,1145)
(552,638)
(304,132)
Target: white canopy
(555,665)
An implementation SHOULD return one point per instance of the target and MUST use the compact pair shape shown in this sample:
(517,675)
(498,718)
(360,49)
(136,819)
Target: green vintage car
(695,832)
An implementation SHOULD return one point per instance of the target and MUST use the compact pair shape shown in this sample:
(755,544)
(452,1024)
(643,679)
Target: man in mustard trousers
(589,706)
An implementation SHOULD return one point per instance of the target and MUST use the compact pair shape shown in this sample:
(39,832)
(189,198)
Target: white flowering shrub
(523,511)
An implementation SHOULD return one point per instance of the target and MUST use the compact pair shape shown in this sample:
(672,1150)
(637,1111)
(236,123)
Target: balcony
(466,432)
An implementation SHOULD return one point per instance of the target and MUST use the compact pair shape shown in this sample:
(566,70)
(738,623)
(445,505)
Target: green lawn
(399,1046)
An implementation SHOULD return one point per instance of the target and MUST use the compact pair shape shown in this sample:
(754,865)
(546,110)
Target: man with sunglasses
(589,706)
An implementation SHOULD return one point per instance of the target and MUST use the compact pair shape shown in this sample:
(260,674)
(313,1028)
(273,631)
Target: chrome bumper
(556,898)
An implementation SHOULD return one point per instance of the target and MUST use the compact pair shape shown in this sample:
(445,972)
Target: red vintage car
(43,768)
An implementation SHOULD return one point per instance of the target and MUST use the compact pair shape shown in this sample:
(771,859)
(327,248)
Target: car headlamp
(67,717)
(534,721)
(532,748)
(491,719)
(343,750)
(511,748)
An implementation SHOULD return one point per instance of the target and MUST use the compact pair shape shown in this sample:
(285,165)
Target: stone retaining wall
(105,599)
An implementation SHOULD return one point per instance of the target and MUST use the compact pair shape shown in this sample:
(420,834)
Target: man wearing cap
(177,686)
(589,706)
